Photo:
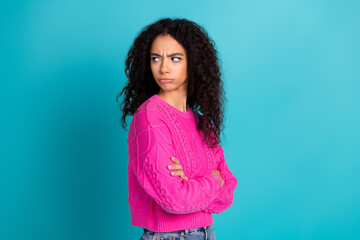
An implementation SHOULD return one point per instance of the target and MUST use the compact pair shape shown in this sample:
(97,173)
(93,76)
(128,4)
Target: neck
(175,99)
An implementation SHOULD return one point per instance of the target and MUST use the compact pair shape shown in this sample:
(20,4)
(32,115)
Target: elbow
(234,181)
(177,208)
(171,207)
(174,210)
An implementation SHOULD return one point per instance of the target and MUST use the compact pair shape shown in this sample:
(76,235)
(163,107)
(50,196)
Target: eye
(155,59)
(176,59)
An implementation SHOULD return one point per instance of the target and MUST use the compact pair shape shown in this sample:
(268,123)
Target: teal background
(291,71)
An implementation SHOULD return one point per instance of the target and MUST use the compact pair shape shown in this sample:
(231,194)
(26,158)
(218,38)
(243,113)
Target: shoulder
(149,119)
(150,105)
(149,114)
(151,111)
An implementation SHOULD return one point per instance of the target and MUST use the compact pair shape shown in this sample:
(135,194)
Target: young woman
(177,175)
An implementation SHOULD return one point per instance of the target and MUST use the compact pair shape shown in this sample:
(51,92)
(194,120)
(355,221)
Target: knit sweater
(159,201)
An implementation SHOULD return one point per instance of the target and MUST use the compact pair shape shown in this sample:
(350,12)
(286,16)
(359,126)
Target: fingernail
(172,173)
(172,158)
(169,167)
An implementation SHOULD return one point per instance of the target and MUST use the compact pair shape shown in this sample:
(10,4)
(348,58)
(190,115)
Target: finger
(175,173)
(174,159)
(183,176)
(175,167)
(178,173)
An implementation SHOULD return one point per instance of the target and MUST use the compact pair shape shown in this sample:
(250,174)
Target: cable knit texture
(161,202)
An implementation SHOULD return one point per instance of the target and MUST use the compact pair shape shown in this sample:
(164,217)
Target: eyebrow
(170,55)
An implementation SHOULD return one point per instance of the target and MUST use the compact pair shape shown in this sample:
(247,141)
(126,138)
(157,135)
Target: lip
(165,80)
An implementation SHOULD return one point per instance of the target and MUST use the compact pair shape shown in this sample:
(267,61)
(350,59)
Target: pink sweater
(161,202)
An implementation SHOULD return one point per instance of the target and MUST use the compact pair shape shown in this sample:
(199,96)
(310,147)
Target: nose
(164,67)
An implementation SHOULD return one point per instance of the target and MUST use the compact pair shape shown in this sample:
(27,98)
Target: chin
(166,89)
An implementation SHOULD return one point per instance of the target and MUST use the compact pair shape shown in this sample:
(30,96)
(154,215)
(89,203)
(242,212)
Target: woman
(177,175)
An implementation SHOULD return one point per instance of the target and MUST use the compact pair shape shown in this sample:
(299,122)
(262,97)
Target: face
(169,64)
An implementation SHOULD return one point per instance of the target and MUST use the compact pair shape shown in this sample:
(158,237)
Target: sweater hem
(161,223)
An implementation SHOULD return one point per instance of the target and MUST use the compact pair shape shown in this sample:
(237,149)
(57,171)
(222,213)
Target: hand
(217,173)
(177,167)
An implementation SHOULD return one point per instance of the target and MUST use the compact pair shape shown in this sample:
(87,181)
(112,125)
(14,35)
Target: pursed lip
(163,80)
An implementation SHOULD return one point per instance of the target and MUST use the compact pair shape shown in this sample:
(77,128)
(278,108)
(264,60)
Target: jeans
(204,233)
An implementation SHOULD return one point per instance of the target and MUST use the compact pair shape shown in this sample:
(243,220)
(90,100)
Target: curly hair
(205,94)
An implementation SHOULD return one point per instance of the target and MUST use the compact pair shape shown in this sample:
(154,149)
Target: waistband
(183,232)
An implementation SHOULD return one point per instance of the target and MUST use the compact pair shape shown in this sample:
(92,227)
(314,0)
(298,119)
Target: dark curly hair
(205,94)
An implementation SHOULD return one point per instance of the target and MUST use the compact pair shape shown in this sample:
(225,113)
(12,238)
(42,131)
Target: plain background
(291,71)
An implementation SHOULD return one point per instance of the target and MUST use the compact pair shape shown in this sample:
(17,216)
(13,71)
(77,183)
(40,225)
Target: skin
(169,60)
(169,67)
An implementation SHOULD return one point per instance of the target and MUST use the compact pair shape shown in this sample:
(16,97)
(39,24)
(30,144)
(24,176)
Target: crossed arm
(179,171)
(225,195)
(150,151)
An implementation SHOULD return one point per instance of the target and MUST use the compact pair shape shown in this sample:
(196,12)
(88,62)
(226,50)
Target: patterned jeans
(204,233)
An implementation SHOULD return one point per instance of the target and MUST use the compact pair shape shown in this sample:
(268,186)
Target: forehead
(166,43)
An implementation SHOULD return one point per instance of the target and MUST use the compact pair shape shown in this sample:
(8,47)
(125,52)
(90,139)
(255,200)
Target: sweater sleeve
(150,148)
(225,195)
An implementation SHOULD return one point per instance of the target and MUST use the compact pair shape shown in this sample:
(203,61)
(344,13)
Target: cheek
(184,70)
